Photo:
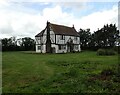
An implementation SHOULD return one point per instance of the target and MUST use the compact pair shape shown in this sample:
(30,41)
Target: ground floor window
(76,47)
(62,47)
(39,47)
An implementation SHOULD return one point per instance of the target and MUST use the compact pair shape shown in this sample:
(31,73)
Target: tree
(13,44)
(106,36)
(27,43)
(85,38)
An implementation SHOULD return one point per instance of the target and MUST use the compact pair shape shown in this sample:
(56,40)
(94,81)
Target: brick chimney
(48,41)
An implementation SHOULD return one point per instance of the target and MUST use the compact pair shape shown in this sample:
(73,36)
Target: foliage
(117,49)
(85,38)
(21,44)
(108,36)
(105,52)
(101,52)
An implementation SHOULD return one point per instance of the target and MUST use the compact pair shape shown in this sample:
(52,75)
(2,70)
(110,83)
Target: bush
(100,52)
(117,49)
(110,52)
(105,52)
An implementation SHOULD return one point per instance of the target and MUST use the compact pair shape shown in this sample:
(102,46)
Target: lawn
(24,72)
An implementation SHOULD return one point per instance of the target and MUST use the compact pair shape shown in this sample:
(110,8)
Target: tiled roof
(61,30)
(64,30)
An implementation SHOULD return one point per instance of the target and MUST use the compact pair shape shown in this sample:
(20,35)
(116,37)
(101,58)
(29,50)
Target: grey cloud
(6,30)
(72,5)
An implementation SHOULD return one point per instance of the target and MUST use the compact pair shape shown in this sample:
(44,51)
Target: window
(75,38)
(39,47)
(62,37)
(62,47)
(59,47)
(76,47)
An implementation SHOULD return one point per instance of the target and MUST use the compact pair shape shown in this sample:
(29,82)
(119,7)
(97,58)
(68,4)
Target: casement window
(62,37)
(39,47)
(62,47)
(76,47)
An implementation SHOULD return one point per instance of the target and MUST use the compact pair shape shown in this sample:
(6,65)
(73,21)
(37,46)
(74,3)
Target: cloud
(18,20)
(98,19)
(60,0)
(72,5)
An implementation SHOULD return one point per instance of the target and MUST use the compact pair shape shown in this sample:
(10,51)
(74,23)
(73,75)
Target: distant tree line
(21,44)
(106,37)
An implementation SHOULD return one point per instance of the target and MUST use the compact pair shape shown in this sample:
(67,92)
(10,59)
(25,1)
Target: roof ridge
(61,25)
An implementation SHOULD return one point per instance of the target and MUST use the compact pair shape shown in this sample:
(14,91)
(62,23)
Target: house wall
(57,49)
(37,50)
(52,36)
(64,41)
(41,41)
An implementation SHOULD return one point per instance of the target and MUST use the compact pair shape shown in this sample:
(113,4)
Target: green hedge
(105,52)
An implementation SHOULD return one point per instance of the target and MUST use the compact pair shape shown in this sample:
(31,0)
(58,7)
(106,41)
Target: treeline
(106,37)
(21,44)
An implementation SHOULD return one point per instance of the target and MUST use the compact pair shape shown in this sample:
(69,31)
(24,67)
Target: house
(57,39)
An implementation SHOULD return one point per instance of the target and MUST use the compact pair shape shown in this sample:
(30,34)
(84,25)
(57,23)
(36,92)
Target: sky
(21,18)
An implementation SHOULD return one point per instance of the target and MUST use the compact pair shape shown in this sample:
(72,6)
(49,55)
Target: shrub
(117,49)
(105,52)
(109,52)
(100,52)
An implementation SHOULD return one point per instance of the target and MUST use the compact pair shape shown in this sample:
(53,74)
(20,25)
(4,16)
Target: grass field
(59,73)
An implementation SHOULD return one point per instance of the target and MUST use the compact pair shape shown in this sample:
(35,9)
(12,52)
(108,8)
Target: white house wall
(43,48)
(37,50)
(37,40)
(52,36)
(57,49)
(42,42)
(59,41)
(44,39)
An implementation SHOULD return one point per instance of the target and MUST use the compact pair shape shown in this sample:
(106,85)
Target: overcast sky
(22,18)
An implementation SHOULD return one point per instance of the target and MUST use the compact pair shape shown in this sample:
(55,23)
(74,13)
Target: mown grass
(58,73)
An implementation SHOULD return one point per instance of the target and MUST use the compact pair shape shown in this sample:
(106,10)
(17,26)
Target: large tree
(106,36)
(9,44)
(28,43)
(85,38)
(13,44)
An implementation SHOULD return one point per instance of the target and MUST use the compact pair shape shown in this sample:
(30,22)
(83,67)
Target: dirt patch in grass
(104,75)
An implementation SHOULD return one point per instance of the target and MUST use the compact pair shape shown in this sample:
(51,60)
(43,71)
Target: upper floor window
(75,38)
(62,37)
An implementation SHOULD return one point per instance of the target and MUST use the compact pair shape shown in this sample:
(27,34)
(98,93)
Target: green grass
(57,73)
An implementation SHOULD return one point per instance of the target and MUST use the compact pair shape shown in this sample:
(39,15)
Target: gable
(40,34)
